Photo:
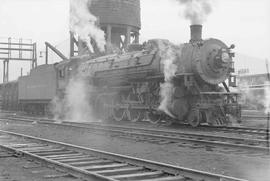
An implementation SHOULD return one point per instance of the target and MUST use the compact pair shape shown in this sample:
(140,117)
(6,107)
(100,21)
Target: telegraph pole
(268,111)
(16,50)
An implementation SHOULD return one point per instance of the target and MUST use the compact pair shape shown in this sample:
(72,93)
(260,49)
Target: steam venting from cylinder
(169,54)
(195,33)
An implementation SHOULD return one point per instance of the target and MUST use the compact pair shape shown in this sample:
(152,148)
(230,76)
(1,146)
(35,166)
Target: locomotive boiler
(128,85)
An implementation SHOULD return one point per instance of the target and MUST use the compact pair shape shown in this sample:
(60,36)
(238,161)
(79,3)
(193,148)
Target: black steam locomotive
(128,86)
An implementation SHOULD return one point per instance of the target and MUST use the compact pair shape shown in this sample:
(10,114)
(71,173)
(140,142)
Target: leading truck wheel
(134,115)
(118,114)
(194,118)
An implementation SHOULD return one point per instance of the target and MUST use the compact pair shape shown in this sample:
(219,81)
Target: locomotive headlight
(225,57)
(221,59)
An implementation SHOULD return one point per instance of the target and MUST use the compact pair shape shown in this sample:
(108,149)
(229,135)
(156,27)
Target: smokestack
(195,33)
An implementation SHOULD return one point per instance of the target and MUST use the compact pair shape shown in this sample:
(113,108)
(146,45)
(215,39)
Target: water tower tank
(120,20)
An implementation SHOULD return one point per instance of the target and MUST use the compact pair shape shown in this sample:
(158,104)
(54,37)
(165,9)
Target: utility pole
(267,106)
(21,71)
(16,50)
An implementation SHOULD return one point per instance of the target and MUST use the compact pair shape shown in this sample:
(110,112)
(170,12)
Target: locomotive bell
(195,33)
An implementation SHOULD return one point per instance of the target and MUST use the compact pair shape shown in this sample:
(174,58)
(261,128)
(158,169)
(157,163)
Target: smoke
(57,108)
(196,10)
(83,24)
(166,91)
(75,106)
(77,100)
(169,54)
(255,99)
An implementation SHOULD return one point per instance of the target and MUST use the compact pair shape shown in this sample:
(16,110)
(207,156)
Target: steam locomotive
(127,86)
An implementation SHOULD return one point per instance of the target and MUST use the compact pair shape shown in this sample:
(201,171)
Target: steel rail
(172,133)
(255,116)
(174,136)
(160,132)
(238,130)
(165,135)
(159,171)
(234,129)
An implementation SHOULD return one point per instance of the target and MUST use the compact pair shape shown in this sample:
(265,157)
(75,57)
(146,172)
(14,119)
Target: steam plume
(76,104)
(196,10)
(168,53)
(77,100)
(248,98)
(83,24)
(254,100)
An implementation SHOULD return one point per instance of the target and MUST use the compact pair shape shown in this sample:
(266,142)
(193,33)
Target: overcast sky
(245,23)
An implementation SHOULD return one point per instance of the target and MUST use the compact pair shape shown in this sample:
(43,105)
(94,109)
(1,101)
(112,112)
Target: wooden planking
(168,178)
(74,160)
(140,175)
(120,171)
(63,155)
(91,162)
(101,167)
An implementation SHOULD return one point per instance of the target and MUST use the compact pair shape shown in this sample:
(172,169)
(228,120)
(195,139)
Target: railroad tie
(83,163)
(75,160)
(31,166)
(63,155)
(69,158)
(53,153)
(5,155)
(168,178)
(140,175)
(103,167)
(46,150)
(37,147)
(39,171)
(120,171)
(56,176)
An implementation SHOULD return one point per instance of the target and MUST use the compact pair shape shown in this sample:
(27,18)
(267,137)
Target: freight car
(38,89)
(9,96)
(127,86)
(35,92)
(31,93)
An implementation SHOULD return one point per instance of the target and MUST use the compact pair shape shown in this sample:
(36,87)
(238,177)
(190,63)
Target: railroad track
(224,144)
(257,133)
(28,169)
(99,165)
(252,114)
(255,116)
